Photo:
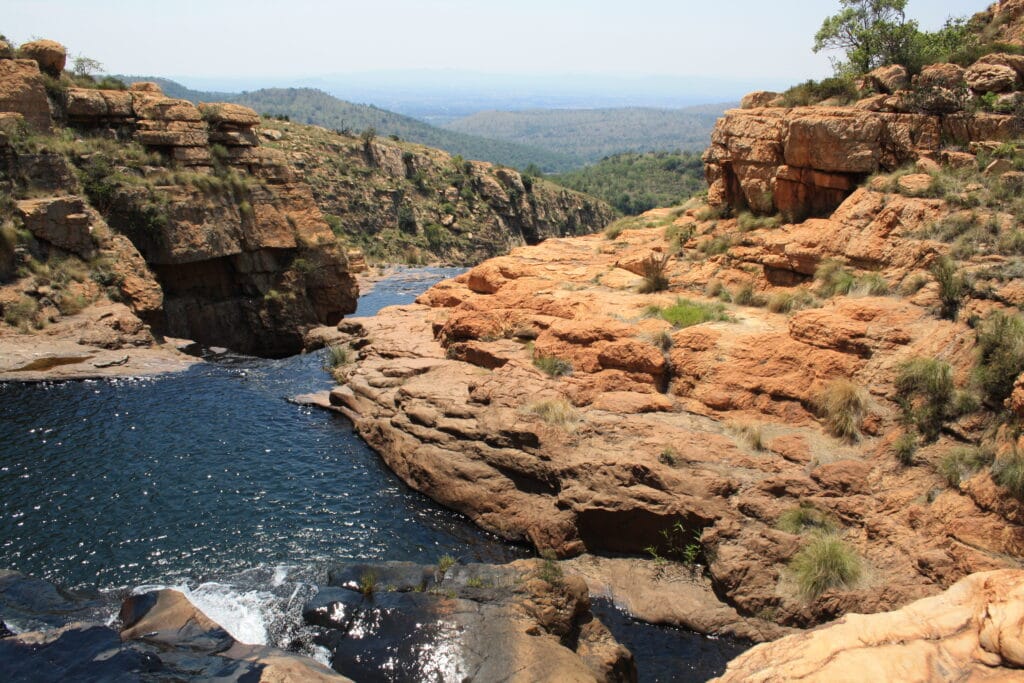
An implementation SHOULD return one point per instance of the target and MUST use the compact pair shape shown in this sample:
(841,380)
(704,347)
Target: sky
(740,40)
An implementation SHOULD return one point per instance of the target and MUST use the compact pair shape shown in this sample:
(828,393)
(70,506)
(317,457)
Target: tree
(86,66)
(872,32)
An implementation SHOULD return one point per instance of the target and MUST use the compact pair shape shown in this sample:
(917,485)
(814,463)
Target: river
(210,481)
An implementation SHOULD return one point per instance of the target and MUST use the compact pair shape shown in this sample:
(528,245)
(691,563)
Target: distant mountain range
(554,141)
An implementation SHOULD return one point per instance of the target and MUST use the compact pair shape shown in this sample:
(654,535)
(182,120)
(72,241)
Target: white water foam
(243,614)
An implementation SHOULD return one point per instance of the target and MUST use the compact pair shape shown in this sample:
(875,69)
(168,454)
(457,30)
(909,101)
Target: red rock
(22,91)
(48,54)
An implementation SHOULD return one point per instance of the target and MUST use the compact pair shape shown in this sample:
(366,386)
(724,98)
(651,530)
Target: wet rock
(76,652)
(524,621)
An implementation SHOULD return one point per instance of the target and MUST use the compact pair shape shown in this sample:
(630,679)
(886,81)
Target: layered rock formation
(234,250)
(805,161)
(661,435)
(399,201)
(973,631)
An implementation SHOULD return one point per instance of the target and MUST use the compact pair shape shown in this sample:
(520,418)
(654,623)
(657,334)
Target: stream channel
(211,482)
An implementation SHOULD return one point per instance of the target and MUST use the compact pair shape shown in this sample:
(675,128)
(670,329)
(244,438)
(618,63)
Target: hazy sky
(741,39)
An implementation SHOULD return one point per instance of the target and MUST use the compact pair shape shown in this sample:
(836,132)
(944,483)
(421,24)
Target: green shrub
(843,404)
(926,394)
(553,367)
(805,517)
(871,284)
(684,313)
(715,245)
(550,571)
(904,448)
(653,268)
(613,231)
(788,301)
(825,562)
(963,461)
(953,286)
(437,235)
(368,583)
(747,221)
(1000,356)
(337,355)
(445,563)
(677,236)
(813,92)
(1008,472)
(669,456)
(21,313)
(833,278)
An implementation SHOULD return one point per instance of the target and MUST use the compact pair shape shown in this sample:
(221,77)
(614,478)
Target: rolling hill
(588,135)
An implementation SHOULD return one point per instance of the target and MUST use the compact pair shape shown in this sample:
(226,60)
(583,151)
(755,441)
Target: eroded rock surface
(973,631)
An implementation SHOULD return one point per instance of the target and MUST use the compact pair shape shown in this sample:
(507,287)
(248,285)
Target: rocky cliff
(809,411)
(399,201)
(225,244)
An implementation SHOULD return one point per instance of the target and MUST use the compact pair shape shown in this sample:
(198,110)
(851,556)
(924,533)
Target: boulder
(61,221)
(758,99)
(50,55)
(949,76)
(1015,62)
(97,106)
(973,631)
(22,91)
(230,114)
(6,50)
(146,87)
(984,78)
(888,79)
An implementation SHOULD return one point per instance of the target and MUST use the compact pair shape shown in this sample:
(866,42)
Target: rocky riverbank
(522,621)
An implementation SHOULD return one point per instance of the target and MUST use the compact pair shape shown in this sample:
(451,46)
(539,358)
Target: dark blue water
(203,474)
(209,480)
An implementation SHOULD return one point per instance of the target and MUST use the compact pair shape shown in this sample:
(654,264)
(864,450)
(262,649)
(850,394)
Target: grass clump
(653,269)
(21,313)
(953,287)
(1000,356)
(926,394)
(368,583)
(1008,472)
(551,366)
(669,456)
(964,461)
(843,404)
(789,301)
(337,355)
(905,447)
(677,236)
(747,222)
(613,231)
(833,278)
(684,313)
(445,563)
(556,412)
(805,517)
(825,562)
(715,246)
(550,571)
(753,435)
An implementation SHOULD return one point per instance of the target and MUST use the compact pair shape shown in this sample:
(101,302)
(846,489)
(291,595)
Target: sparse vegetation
(21,313)
(655,279)
(805,517)
(926,394)
(1000,356)
(445,563)
(825,562)
(905,447)
(1008,472)
(752,435)
(684,313)
(551,366)
(669,457)
(788,301)
(748,221)
(337,355)
(550,571)
(843,404)
(963,461)
(953,286)
(556,412)
(368,583)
